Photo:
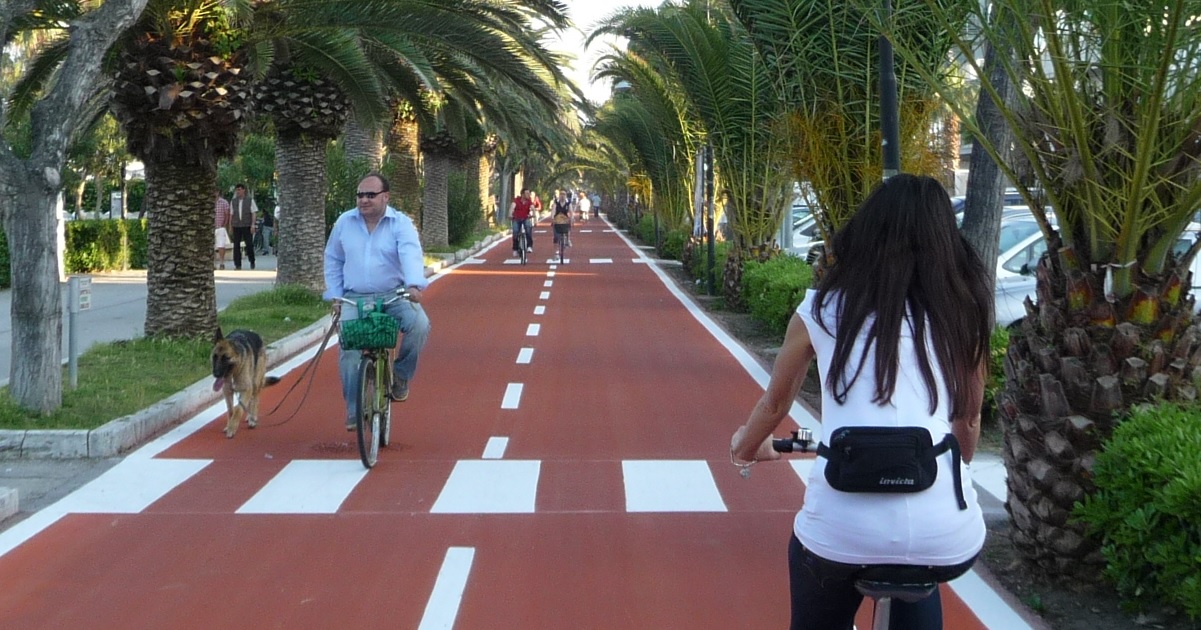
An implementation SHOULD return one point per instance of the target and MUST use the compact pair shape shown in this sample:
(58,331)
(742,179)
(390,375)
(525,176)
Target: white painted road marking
(443,606)
(132,485)
(525,355)
(600,261)
(548,284)
(532,330)
(307,486)
(550,274)
(490,487)
(670,486)
(512,396)
(495,449)
(545,295)
(539,310)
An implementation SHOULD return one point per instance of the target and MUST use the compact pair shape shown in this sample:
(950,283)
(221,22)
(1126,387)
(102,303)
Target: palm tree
(181,94)
(1108,138)
(728,89)
(822,58)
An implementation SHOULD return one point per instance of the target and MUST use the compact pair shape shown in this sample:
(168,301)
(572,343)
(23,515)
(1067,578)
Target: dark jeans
(243,235)
(526,226)
(824,595)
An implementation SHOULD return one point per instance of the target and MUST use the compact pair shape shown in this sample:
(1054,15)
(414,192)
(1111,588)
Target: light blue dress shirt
(358,261)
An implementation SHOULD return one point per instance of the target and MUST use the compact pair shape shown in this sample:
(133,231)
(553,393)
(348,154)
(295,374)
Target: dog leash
(310,371)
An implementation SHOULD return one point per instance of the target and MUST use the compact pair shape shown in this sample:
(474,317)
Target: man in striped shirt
(221,217)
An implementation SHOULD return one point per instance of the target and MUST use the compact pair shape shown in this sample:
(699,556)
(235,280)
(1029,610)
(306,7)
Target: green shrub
(136,228)
(645,230)
(673,244)
(998,347)
(773,289)
(463,210)
(1147,508)
(6,280)
(96,245)
(699,265)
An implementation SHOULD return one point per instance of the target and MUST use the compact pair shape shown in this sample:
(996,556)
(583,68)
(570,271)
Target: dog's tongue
(218,383)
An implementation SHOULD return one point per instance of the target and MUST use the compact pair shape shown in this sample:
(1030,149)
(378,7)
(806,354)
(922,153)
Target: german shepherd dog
(240,366)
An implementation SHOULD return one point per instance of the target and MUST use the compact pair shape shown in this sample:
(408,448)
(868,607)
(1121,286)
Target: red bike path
(562,462)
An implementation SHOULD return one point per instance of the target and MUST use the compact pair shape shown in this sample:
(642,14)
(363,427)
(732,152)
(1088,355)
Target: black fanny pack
(888,459)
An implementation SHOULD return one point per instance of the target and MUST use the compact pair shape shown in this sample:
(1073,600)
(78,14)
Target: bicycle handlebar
(401,294)
(801,437)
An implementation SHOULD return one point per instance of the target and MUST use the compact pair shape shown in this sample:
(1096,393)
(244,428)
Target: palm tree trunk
(181,297)
(363,144)
(31,223)
(405,154)
(301,165)
(434,219)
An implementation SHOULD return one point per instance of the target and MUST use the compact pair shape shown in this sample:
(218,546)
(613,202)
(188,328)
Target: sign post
(79,298)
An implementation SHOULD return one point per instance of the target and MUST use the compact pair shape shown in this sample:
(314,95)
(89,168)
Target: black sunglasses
(369,195)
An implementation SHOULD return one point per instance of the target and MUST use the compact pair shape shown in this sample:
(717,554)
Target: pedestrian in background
(243,210)
(221,228)
(268,228)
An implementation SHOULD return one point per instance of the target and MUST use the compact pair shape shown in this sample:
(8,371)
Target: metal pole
(710,233)
(889,116)
(72,347)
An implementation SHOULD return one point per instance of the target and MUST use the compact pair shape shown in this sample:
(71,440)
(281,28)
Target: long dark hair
(903,252)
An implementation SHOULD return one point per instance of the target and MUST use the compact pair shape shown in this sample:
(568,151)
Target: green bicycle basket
(372,331)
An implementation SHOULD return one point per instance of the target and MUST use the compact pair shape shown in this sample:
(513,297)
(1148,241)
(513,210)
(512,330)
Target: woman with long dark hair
(899,326)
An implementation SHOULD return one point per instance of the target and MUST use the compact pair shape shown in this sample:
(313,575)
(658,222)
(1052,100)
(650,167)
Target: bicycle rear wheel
(368,422)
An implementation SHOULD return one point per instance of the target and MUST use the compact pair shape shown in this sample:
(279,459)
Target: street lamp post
(889,116)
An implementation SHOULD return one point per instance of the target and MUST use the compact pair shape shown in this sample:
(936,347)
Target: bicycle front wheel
(385,416)
(368,422)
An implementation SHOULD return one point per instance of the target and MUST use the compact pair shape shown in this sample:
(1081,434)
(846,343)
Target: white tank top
(923,528)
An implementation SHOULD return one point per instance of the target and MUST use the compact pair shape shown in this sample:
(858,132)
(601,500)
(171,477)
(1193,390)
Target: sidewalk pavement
(118,311)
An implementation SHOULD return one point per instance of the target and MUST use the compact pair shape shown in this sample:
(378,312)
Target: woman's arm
(966,429)
(752,440)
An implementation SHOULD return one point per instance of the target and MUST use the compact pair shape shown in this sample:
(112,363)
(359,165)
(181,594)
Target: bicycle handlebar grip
(782,445)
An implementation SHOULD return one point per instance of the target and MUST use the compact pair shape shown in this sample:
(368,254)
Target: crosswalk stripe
(670,486)
(307,486)
(132,485)
(600,261)
(490,487)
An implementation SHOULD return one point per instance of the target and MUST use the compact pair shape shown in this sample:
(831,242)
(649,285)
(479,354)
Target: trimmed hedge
(105,245)
(1147,508)
(698,267)
(773,289)
(673,244)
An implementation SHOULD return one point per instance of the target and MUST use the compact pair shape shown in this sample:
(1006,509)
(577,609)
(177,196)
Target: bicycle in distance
(374,333)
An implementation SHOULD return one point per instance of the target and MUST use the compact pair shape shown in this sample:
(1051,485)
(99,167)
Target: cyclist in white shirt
(899,327)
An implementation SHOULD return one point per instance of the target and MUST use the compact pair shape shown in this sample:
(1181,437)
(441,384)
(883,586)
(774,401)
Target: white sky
(585,14)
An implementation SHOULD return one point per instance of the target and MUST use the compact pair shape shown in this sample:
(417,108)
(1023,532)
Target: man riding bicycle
(372,251)
(521,213)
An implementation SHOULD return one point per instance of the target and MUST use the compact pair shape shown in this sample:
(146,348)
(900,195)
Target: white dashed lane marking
(443,605)
(539,310)
(545,295)
(495,449)
(512,396)
(525,355)
(532,330)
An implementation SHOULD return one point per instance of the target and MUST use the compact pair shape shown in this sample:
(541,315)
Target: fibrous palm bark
(309,111)
(404,153)
(437,150)
(181,100)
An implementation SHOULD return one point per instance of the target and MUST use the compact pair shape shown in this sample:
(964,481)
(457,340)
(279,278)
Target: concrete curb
(125,433)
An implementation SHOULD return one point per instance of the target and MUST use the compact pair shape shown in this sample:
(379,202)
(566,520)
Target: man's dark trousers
(243,235)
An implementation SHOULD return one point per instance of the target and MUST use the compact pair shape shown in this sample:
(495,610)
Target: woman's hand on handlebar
(747,453)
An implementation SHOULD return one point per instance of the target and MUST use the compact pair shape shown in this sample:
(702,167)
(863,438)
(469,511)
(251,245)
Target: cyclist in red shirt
(521,213)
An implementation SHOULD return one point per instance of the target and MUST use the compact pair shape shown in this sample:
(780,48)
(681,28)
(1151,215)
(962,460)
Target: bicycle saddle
(906,583)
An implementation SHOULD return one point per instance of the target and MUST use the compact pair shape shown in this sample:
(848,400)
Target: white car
(1015,266)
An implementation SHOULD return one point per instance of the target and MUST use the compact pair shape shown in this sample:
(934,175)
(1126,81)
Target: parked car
(1015,268)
